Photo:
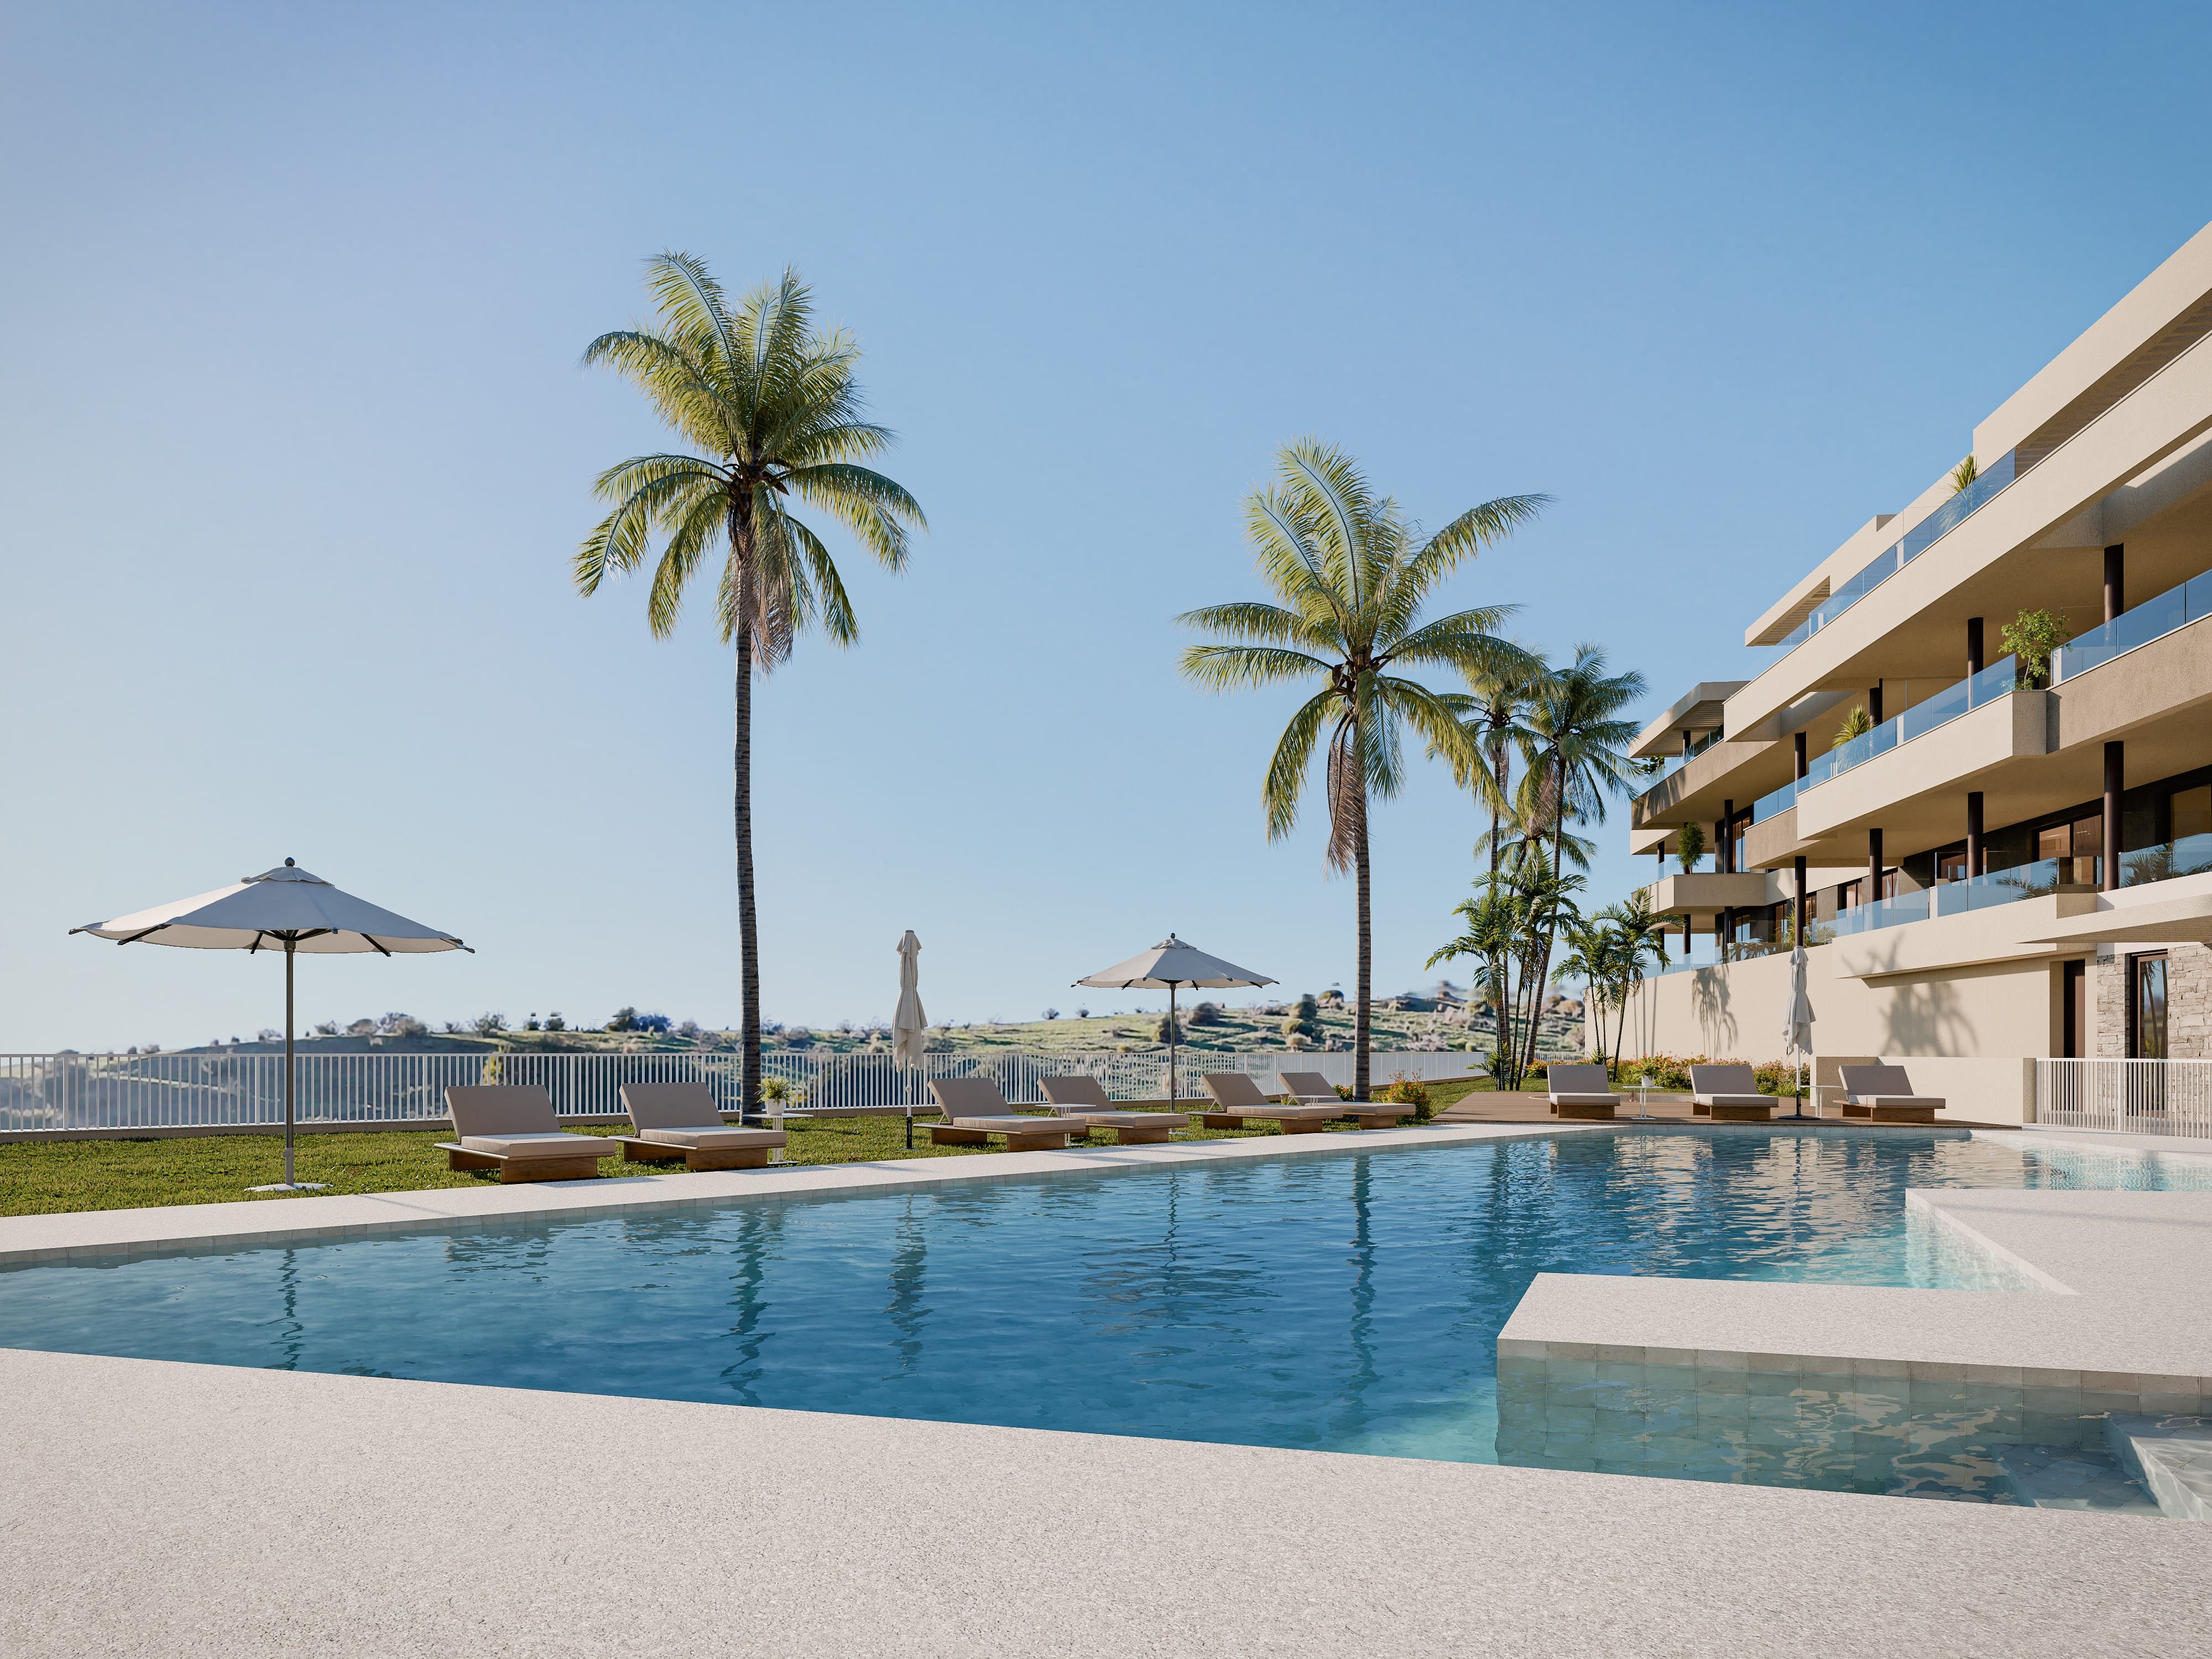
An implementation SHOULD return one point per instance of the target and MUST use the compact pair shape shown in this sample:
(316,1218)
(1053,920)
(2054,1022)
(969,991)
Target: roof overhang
(1698,709)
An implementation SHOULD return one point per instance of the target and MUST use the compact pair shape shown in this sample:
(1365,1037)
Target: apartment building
(2006,866)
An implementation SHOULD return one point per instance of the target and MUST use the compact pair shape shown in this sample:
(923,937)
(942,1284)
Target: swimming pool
(1345,1303)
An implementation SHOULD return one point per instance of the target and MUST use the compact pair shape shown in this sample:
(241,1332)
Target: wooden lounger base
(1049,1140)
(1124,1135)
(1726,1112)
(1594,1113)
(1891,1114)
(513,1169)
(694,1157)
(1375,1120)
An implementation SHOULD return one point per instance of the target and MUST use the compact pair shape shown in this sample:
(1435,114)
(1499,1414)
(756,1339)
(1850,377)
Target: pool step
(2073,1478)
(2171,1456)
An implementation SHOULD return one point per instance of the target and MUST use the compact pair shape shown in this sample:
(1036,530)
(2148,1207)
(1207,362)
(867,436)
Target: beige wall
(1974,1026)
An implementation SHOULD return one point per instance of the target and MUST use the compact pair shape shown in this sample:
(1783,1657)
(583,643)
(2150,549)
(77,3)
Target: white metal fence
(2142,1096)
(206,1090)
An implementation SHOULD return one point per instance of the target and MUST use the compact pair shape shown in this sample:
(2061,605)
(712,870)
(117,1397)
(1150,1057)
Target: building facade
(1997,848)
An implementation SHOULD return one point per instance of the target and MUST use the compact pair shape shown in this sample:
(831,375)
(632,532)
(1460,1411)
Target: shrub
(1690,844)
(1207,1014)
(625,1019)
(486,1025)
(658,1025)
(689,1029)
(361,1027)
(1409,1092)
(1856,724)
(555,1022)
(328,1028)
(1308,1007)
(530,1024)
(1052,1013)
(1167,1030)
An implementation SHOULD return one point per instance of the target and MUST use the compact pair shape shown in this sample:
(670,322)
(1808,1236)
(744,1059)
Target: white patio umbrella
(1797,1021)
(909,1025)
(287,908)
(1165,966)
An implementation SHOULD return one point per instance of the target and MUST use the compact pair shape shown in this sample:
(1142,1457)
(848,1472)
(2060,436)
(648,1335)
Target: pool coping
(73,1235)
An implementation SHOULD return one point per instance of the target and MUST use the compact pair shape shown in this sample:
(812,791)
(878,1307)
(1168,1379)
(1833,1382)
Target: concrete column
(1728,836)
(1974,663)
(2116,572)
(1873,704)
(2115,781)
(1802,764)
(1974,834)
(1724,932)
(1874,867)
(1804,905)
(1685,743)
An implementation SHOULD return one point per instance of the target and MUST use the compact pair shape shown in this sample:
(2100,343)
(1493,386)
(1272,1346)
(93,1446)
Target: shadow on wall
(1922,1017)
(1710,998)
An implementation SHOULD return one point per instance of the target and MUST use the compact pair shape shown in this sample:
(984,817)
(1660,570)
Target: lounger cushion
(1710,1081)
(500,1110)
(963,1098)
(1585,1100)
(1895,1100)
(1076,1092)
(1128,1120)
(1233,1091)
(1306,1085)
(670,1106)
(715,1138)
(1735,1100)
(544,1146)
(1015,1125)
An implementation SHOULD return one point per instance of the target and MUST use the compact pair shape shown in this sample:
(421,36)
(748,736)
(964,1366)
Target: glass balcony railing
(2174,609)
(1994,681)
(1915,541)
(1674,764)
(2190,855)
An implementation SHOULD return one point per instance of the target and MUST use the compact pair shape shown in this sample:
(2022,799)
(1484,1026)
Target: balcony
(2168,613)
(1915,541)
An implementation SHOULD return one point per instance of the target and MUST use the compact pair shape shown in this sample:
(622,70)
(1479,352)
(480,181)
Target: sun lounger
(1883,1094)
(680,1122)
(1084,1100)
(513,1131)
(1729,1094)
(1239,1102)
(974,1110)
(1580,1091)
(1312,1088)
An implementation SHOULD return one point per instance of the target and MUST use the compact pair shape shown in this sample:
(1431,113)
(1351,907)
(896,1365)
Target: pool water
(1345,1303)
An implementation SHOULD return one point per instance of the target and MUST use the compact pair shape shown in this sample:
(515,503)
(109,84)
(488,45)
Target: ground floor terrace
(287,1497)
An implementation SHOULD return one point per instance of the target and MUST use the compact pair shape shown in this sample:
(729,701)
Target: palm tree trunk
(1559,808)
(1366,958)
(741,539)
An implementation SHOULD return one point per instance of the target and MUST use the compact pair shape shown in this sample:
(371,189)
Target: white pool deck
(158,1509)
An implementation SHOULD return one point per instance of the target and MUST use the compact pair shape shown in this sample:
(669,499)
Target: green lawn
(43,1177)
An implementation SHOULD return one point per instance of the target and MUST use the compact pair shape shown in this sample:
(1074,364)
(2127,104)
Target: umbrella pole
(288,946)
(1174,1032)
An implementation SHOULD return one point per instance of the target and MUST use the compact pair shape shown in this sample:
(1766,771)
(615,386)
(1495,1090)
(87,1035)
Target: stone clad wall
(2188,1004)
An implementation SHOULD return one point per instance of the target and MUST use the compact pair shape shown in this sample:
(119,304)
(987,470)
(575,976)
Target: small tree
(1856,724)
(2031,638)
(1690,845)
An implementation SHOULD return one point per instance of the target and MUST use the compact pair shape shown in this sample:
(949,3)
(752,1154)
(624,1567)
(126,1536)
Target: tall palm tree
(1352,573)
(1583,756)
(771,403)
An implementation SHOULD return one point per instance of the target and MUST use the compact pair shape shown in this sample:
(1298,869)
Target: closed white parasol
(282,909)
(909,1025)
(1797,1022)
(1165,966)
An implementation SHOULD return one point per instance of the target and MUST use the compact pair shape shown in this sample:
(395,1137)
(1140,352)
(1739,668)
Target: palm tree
(1582,758)
(1639,939)
(1352,574)
(1494,709)
(1507,920)
(1594,957)
(772,404)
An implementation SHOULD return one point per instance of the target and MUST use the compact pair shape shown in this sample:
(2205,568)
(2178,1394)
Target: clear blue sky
(296,447)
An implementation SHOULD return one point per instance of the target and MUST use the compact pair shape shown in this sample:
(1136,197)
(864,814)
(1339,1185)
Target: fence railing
(211,1091)
(2140,1096)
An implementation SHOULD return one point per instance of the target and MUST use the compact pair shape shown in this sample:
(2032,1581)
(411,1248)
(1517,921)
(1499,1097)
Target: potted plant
(2032,638)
